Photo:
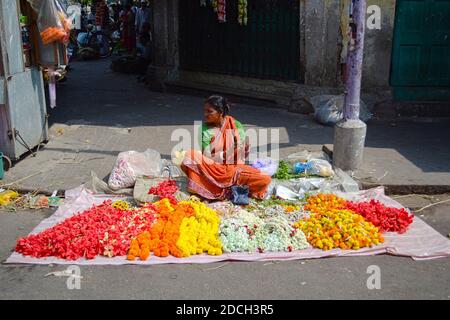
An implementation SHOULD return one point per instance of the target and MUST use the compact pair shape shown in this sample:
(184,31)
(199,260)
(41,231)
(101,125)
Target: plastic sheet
(420,242)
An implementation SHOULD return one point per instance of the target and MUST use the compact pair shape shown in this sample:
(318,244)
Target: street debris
(221,266)
(12,201)
(6,196)
(65,273)
(432,205)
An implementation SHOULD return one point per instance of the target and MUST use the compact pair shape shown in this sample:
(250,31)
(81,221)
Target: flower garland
(164,234)
(242,10)
(323,203)
(286,210)
(187,228)
(200,233)
(165,189)
(333,226)
(340,228)
(222,11)
(120,204)
(263,229)
(387,219)
(99,230)
(278,235)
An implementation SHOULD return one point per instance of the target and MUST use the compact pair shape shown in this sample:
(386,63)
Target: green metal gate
(421,53)
(267,48)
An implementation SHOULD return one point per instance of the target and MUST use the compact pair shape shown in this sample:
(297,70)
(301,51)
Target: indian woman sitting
(221,164)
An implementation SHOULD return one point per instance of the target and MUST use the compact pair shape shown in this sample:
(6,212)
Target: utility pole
(350,134)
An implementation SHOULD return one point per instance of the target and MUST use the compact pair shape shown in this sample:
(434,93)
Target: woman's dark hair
(220,104)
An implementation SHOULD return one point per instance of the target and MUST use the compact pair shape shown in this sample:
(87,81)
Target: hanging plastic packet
(242,12)
(52,87)
(52,21)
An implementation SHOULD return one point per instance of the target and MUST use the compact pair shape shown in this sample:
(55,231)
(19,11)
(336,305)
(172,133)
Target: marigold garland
(121,204)
(333,226)
(322,203)
(200,233)
(164,234)
(183,229)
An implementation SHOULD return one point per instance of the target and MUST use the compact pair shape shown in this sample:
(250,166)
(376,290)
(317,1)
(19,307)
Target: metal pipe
(355,61)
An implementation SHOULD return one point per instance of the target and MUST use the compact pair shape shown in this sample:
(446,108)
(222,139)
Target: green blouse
(208,133)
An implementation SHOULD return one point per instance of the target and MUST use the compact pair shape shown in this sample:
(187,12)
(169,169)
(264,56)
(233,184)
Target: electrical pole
(350,134)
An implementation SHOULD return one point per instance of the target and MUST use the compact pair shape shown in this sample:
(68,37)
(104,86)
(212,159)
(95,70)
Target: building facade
(292,50)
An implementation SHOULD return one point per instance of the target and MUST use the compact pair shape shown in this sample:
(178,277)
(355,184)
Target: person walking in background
(101,15)
(142,16)
(142,25)
(128,30)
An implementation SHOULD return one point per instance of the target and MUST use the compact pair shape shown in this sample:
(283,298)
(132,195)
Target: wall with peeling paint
(326,38)
(378,47)
(323,41)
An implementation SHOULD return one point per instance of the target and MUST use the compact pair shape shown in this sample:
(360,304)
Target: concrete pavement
(332,278)
(100,113)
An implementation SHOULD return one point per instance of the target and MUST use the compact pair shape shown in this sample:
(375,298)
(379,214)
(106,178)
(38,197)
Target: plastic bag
(99,186)
(331,111)
(301,167)
(132,164)
(320,168)
(52,21)
(286,193)
(7,196)
(266,165)
(303,156)
(178,157)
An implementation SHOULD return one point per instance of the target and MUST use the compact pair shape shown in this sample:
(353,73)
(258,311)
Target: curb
(397,189)
(410,189)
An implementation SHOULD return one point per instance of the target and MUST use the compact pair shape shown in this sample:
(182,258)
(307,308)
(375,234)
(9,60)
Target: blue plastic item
(300,167)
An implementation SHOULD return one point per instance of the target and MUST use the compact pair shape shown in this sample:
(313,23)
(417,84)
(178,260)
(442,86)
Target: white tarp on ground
(420,242)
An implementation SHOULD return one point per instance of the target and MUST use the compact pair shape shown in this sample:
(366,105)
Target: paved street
(333,278)
(100,114)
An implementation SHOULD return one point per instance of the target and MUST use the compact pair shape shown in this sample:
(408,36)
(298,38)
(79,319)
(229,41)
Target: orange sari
(213,180)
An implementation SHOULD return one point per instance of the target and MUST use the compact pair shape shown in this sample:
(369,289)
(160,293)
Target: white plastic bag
(132,164)
(331,111)
(320,168)
(302,156)
(266,165)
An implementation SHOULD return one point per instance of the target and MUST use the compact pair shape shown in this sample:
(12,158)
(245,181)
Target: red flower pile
(100,230)
(387,219)
(165,189)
